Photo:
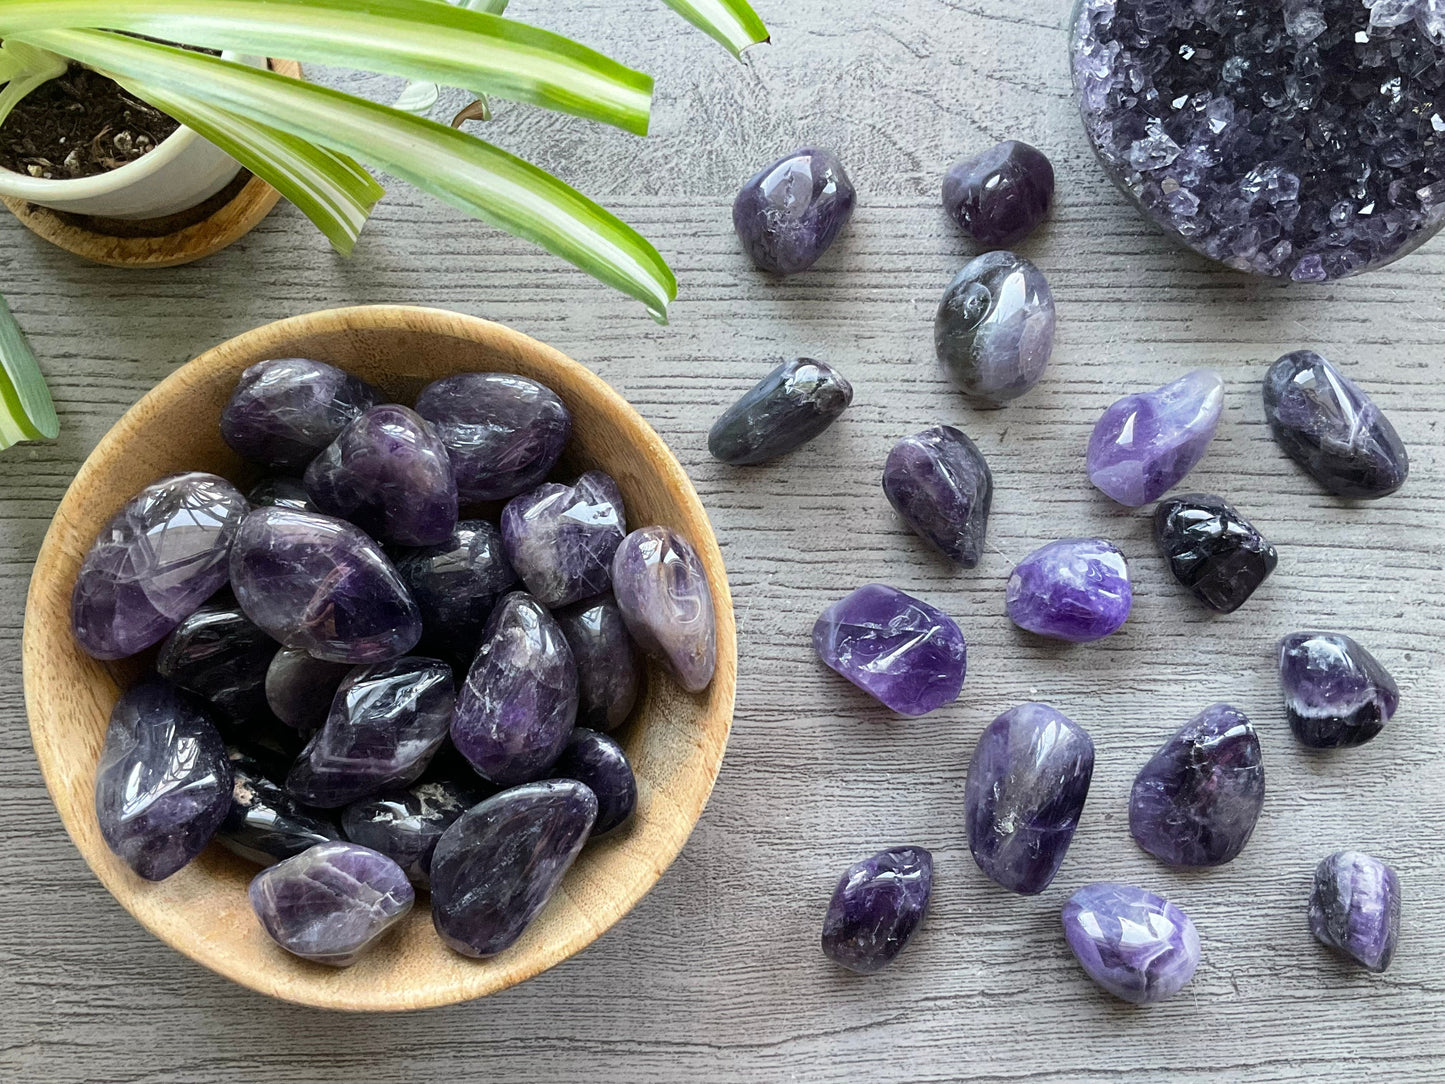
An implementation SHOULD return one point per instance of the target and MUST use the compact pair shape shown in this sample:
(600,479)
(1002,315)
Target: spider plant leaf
(420,96)
(26,411)
(22,69)
(732,22)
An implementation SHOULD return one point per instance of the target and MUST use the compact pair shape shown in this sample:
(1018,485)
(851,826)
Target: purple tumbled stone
(561,539)
(518,705)
(938,481)
(495,868)
(1146,443)
(218,654)
(331,902)
(1336,693)
(1197,800)
(1136,945)
(876,908)
(898,649)
(1076,589)
(284,411)
(280,491)
(662,592)
(322,585)
(504,432)
(1026,788)
(994,330)
(405,824)
(1000,196)
(163,785)
(161,556)
(265,824)
(300,687)
(609,673)
(791,211)
(457,584)
(1212,549)
(790,406)
(1355,908)
(598,761)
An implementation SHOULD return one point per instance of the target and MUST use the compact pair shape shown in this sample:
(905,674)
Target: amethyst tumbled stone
(898,649)
(1076,589)
(938,481)
(1355,908)
(265,824)
(161,556)
(994,330)
(280,491)
(284,411)
(1000,196)
(1212,549)
(300,687)
(609,673)
(662,592)
(598,761)
(1136,945)
(331,902)
(218,654)
(877,907)
(787,408)
(1336,693)
(1026,788)
(163,785)
(405,824)
(790,212)
(1197,800)
(1147,442)
(457,584)
(561,539)
(495,868)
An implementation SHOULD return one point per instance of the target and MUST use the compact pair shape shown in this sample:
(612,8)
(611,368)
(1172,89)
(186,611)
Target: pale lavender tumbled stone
(791,211)
(1146,443)
(1136,945)
(876,908)
(561,539)
(662,591)
(284,411)
(938,481)
(1076,589)
(609,672)
(1355,908)
(598,761)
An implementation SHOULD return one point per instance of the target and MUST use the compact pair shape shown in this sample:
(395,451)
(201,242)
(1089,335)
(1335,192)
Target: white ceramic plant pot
(183,171)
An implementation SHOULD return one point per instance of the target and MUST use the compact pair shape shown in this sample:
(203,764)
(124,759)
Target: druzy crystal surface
(662,592)
(1076,589)
(329,903)
(1197,800)
(300,687)
(218,654)
(284,411)
(405,824)
(1000,196)
(457,584)
(1026,788)
(1212,549)
(561,539)
(161,556)
(598,761)
(495,868)
(265,824)
(898,649)
(994,330)
(787,408)
(1335,692)
(1300,138)
(1146,443)
(938,481)
(1355,908)
(1136,945)
(1331,428)
(790,212)
(877,907)
(609,673)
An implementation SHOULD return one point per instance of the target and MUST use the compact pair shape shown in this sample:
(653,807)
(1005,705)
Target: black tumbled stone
(1212,549)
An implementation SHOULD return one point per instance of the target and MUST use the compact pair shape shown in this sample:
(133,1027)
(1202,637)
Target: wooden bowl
(675,740)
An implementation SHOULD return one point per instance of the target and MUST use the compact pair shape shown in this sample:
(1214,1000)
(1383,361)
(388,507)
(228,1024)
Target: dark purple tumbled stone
(1136,945)
(898,649)
(938,481)
(320,584)
(994,330)
(495,868)
(598,761)
(284,411)
(1076,589)
(561,539)
(1145,443)
(662,592)
(790,406)
(280,491)
(1355,908)
(163,785)
(458,583)
(876,908)
(518,705)
(1212,549)
(1197,800)
(1336,693)
(504,432)
(1000,196)
(265,824)
(389,473)
(1025,792)
(791,211)
(331,902)
(609,673)
(218,654)
(161,556)
(405,824)
(300,687)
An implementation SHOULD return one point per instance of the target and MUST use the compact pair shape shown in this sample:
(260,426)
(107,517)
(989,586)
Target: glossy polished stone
(161,556)
(1355,908)
(609,672)
(218,654)
(1327,424)
(265,824)
(300,688)
(504,432)
(662,592)
(458,583)
(405,824)
(790,406)
(598,761)
(1336,693)
(1026,788)
(1212,549)
(163,785)
(876,908)
(330,903)
(938,481)
(280,491)
(790,212)
(561,539)
(1136,945)
(1000,196)
(1146,443)
(898,649)
(994,330)
(495,868)
(284,411)
(320,584)
(1076,589)
(1197,800)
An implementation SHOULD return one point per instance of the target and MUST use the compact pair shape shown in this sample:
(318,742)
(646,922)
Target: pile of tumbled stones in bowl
(364,690)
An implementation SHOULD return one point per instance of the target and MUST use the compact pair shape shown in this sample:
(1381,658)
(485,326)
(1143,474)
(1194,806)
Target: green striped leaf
(26,412)
(732,22)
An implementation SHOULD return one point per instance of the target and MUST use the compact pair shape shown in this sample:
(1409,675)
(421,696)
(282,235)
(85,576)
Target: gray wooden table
(718,971)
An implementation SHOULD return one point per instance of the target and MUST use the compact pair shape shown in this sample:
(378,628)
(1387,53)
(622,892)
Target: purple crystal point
(561,539)
(1355,908)
(1076,589)
(790,406)
(218,654)
(405,825)
(300,688)
(329,903)
(1026,787)
(1335,692)
(662,592)
(1212,549)
(161,556)
(164,782)
(1000,196)
(877,907)
(320,584)
(265,824)
(1138,946)
(898,649)
(938,481)
(609,673)
(1196,802)
(284,411)
(495,868)
(598,761)
(994,330)
(458,583)
(1330,427)
(1146,443)
(790,212)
